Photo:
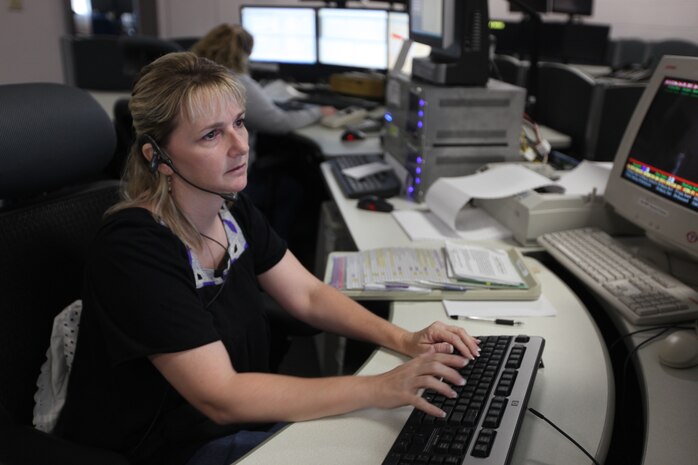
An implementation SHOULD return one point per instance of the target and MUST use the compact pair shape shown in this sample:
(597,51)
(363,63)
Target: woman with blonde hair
(171,364)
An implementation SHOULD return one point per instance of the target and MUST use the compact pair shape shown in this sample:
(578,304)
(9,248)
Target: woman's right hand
(401,386)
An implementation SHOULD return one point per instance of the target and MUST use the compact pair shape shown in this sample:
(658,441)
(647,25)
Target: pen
(497,321)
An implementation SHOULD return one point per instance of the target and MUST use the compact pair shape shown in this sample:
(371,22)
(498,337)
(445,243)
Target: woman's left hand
(442,338)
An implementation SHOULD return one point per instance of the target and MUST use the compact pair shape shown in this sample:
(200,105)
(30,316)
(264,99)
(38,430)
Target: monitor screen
(398,32)
(281,35)
(353,37)
(573,7)
(654,182)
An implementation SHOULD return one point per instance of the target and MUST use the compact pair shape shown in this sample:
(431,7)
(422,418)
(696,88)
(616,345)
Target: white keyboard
(640,292)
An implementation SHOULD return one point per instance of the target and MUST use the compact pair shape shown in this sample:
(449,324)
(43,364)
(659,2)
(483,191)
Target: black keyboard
(482,423)
(383,184)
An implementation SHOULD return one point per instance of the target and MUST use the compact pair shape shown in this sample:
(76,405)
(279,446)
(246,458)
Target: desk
(575,389)
(331,145)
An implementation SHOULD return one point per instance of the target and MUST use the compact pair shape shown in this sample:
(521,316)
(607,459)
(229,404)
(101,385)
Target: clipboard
(530,291)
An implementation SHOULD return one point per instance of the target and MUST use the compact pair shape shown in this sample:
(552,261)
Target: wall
(29,45)
(29,38)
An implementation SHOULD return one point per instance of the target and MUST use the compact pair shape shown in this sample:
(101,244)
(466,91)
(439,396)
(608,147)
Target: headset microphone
(160,156)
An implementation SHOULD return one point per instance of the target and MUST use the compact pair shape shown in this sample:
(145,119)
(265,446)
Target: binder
(441,284)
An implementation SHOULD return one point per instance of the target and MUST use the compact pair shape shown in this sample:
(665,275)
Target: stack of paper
(455,267)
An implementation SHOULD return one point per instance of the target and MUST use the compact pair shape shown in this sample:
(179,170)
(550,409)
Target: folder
(454,271)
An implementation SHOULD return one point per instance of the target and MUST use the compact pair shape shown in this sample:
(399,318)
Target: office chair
(138,51)
(658,49)
(627,53)
(612,106)
(55,141)
(563,101)
(509,69)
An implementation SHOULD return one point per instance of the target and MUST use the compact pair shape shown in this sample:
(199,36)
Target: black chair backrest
(563,101)
(658,49)
(53,140)
(627,53)
(51,136)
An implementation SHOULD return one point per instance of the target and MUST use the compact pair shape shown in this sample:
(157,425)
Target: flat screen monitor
(654,181)
(429,25)
(356,38)
(398,32)
(573,7)
(281,34)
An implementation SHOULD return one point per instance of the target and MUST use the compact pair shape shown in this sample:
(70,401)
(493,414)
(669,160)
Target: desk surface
(574,390)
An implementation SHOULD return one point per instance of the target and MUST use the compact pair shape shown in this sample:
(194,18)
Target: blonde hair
(175,86)
(228,45)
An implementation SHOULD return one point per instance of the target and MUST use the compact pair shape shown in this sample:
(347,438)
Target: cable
(542,417)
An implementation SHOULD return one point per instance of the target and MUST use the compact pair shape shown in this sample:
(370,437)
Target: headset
(160,156)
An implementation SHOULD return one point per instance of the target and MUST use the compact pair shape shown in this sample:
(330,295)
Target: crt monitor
(281,34)
(654,181)
(356,38)
(573,7)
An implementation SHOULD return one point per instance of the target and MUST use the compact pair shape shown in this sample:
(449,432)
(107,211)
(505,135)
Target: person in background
(171,363)
(281,183)
(231,46)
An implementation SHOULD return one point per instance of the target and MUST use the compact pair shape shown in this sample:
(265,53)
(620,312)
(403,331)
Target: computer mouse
(374,203)
(352,134)
(679,349)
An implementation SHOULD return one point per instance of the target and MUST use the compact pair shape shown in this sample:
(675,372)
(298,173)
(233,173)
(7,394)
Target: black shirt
(140,298)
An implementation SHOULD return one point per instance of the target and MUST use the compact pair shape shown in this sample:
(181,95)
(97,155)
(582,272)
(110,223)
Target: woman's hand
(401,386)
(442,338)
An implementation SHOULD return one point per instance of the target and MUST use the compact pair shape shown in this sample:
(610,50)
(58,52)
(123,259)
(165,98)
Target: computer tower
(434,131)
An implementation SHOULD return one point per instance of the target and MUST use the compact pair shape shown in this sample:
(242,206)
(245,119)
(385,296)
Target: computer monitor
(541,6)
(281,34)
(573,7)
(398,32)
(654,181)
(458,35)
(354,38)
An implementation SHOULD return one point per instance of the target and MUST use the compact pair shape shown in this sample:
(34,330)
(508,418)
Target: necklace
(226,258)
(214,240)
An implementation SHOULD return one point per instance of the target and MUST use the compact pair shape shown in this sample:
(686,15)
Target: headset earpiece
(157,157)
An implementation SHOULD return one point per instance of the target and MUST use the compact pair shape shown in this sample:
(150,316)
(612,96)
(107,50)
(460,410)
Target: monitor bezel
(657,216)
(284,7)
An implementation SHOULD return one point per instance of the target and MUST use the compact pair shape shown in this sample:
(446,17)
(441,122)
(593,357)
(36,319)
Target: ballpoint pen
(497,321)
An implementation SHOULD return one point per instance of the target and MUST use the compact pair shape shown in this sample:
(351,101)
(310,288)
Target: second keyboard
(641,293)
(383,184)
